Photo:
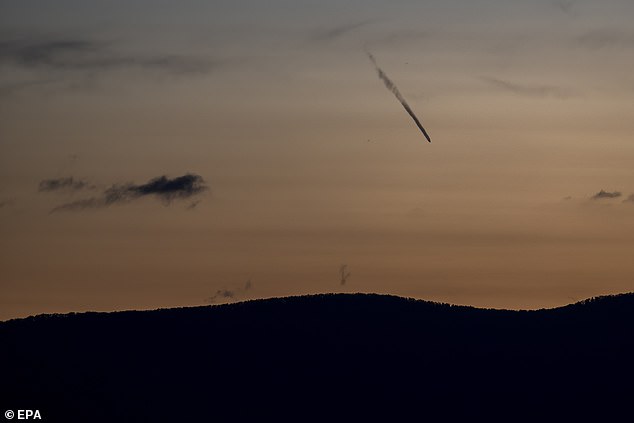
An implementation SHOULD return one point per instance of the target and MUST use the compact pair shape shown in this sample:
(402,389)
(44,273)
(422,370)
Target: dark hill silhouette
(327,357)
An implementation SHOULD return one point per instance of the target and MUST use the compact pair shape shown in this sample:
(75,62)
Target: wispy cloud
(17,86)
(162,187)
(605,38)
(529,90)
(566,6)
(339,31)
(5,203)
(397,38)
(344,274)
(221,294)
(88,55)
(76,62)
(603,195)
(67,183)
(193,205)
(229,294)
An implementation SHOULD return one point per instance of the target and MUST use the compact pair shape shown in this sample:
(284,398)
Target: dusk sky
(302,161)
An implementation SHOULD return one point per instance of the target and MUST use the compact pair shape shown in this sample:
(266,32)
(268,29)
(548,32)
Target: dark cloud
(532,90)
(604,38)
(91,56)
(67,183)
(221,294)
(229,294)
(168,189)
(164,188)
(602,195)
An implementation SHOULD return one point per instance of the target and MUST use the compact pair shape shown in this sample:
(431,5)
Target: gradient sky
(311,163)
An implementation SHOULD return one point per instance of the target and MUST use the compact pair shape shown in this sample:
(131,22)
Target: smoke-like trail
(390,86)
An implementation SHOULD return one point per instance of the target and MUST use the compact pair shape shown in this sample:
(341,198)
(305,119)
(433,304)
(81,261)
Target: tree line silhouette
(335,357)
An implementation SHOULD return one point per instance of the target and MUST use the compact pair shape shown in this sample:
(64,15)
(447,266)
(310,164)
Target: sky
(166,154)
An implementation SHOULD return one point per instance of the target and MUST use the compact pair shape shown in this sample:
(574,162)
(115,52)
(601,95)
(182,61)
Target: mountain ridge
(357,356)
(586,301)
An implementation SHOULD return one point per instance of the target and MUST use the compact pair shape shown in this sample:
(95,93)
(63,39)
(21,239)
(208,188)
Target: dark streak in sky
(529,90)
(392,87)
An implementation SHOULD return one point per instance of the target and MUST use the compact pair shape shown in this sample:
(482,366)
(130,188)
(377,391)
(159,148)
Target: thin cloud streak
(339,31)
(530,90)
(605,38)
(64,60)
(87,55)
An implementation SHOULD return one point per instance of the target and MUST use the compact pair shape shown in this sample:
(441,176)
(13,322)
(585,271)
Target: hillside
(324,356)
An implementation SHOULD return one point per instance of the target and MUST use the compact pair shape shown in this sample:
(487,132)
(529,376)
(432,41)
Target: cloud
(5,203)
(529,90)
(398,38)
(168,189)
(162,187)
(339,31)
(60,53)
(602,195)
(87,55)
(221,294)
(14,87)
(193,205)
(55,62)
(88,203)
(604,38)
(343,272)
(229,294)
(68,183)
(566,6)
